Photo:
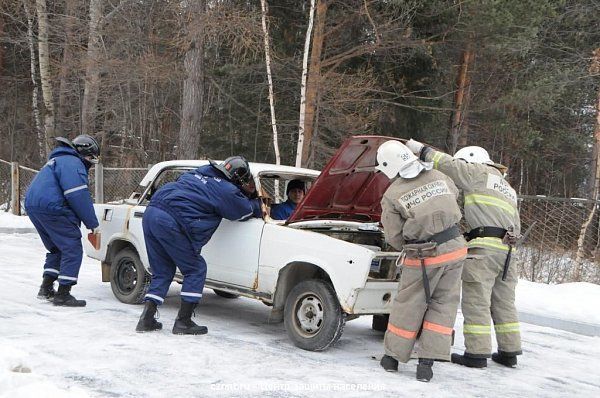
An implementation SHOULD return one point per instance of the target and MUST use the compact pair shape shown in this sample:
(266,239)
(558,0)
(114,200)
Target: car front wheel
(129,280)
(313,317)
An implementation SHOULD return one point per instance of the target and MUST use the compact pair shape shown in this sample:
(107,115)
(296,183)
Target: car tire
(313,317)
(380,322)
(129,280)
(224,294)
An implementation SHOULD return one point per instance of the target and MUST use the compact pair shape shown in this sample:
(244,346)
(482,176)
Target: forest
(285,81)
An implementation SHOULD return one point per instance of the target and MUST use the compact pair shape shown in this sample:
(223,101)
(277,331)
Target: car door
(232,252)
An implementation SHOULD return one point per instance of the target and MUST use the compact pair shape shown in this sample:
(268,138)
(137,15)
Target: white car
(328,263)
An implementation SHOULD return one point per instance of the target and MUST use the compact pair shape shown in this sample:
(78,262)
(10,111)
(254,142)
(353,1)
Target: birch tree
(45,75)
(311,14)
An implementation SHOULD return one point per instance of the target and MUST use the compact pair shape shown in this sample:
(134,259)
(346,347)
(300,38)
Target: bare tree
(193,85)
(66,64)
(303,84)
(457,134)
(45,75)
(92,70)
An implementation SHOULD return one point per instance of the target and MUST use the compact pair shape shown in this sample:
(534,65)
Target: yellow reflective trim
(436,159)
(476,329)
(489,201)
(507,327)
(487,241)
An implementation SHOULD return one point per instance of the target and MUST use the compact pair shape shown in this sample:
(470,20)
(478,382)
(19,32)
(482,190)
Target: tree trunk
(92,69)
(313,81)
(44,56)
(457,136)
(35,91)
(192,102)
(66,65)
(303,85)
(577,270)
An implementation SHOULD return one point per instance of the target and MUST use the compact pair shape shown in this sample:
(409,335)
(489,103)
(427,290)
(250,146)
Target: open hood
(349,188)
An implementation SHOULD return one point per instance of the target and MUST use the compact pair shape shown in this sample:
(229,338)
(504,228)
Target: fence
(563,245)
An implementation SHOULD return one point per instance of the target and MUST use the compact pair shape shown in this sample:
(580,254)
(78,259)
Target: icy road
(95,352)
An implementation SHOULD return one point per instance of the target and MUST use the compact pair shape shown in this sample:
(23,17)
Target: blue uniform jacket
(61,188)
(198,201)
(283,211)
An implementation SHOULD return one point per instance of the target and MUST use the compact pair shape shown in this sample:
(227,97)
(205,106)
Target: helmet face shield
(236,169)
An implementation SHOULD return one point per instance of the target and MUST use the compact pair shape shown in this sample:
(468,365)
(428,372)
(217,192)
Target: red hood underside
(349,188)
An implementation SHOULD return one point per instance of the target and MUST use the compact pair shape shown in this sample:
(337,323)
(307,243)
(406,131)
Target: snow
(9,220)
(95,352)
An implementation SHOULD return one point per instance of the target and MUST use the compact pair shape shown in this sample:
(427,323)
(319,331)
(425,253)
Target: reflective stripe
(67,278)
(436,159)
(442,258)
(247,215)
(477,329)
(434,327)
(495,243)
(155,297)
(407,334)
(51,270)
(512,327)
(79,188)
(488,200)
(191,294)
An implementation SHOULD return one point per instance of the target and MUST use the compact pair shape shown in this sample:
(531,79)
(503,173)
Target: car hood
(349,187)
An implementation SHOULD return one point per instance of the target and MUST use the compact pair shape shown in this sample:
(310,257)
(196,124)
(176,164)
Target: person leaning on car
(420,216)
(179,220)
(57,202)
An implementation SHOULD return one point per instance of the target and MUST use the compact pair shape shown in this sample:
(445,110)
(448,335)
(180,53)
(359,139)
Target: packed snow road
(95,351)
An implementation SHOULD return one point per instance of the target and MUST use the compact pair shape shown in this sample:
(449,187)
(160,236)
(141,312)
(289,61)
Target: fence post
(99,183)
(15,192)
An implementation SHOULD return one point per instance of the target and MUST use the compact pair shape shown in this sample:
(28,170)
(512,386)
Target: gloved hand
(96,230)
(414,146)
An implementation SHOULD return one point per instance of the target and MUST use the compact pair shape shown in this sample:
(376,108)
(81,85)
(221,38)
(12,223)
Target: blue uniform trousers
(62,238)
(169,248)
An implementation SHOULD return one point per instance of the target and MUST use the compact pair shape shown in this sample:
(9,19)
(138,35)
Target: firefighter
(57,202)
(488,282)
(420,216)
(294,191)
(179,220)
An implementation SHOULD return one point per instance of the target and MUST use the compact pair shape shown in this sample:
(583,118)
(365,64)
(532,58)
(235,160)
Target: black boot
(468,361)
(46,291)
(63,298)
(148,322)
(184,324)
(506,359)
(424,369)
(389,363)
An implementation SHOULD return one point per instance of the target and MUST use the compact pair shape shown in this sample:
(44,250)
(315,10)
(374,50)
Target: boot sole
(187,332)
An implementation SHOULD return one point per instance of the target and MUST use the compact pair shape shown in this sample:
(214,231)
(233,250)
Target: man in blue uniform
(180,219)
(57,201)
(295,192)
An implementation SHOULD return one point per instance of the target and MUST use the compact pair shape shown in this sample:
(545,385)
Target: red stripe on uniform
(407,334)
(442,258)
(434,327)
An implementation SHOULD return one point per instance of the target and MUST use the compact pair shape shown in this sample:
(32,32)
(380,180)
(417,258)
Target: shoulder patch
(499,184)
(424,193)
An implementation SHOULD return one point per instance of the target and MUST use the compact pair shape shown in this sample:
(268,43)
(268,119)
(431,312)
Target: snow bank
(11,221)
(19,380)
(570,301)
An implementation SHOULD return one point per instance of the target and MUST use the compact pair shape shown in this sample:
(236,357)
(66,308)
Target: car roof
(255,168)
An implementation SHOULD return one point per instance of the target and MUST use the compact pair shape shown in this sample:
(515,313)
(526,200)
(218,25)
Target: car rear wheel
(224,294)
(313,317)
(129,280)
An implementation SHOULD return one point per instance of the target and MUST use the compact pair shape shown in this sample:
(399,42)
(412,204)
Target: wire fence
(563,245)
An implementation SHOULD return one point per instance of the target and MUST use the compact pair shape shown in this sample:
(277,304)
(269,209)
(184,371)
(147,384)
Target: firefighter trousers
(486,297)
(410,313)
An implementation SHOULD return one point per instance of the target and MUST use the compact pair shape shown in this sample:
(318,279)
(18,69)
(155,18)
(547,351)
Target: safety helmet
(393,158)
(236,169)
(474,154)
(85,145)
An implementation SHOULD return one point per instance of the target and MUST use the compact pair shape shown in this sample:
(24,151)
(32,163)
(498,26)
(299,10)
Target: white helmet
(393,158)
(474,154)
